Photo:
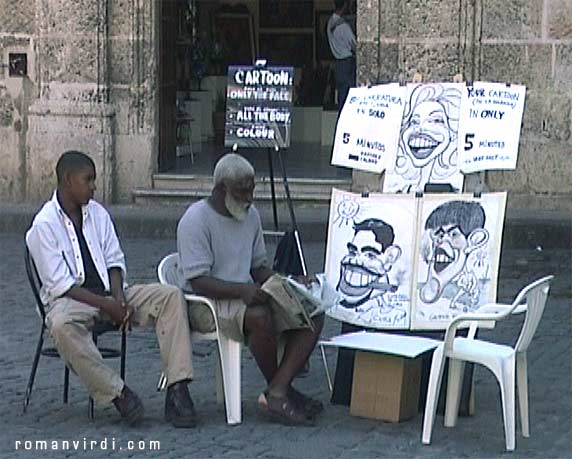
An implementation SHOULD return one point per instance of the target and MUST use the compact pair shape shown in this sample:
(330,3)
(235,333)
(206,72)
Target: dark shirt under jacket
(92,282)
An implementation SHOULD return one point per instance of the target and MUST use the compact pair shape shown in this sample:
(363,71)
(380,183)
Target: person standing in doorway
(342,41)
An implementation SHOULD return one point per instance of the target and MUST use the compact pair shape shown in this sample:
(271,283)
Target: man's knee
(201,317)
(60,327)
(174,297)
(258,319)
(170,291)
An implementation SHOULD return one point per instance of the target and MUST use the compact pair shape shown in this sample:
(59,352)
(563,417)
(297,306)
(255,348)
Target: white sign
(491,116)
(368,128)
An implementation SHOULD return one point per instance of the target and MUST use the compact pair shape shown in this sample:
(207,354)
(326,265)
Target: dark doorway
(167,85)
(197,42)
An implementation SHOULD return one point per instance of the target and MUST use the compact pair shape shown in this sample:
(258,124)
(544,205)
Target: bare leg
(299,345)
(261,339)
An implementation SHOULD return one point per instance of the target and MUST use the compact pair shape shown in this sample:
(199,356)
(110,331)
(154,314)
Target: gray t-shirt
(210,244)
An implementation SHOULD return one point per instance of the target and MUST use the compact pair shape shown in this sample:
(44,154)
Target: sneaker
(179,408)
(129,406)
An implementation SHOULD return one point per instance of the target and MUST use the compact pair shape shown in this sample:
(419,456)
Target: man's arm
(352,41)
(114,257)
(261,274)
(116,283)
(215,288)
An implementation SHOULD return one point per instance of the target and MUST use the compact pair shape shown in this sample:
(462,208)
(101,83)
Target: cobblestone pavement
(336,435)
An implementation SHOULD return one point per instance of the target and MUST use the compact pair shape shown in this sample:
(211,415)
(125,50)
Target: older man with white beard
(223,256)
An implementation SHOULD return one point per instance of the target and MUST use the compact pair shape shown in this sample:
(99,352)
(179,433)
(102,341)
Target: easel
(260,63)
(276,231)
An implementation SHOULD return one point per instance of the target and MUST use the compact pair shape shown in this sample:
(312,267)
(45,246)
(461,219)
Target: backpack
(287,259)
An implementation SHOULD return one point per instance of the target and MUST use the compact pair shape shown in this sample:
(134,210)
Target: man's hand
(252,294)
(307,281)
(120,312)
(126,323)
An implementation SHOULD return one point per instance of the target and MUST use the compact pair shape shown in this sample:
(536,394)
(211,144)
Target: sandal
(311,406)
(283,410)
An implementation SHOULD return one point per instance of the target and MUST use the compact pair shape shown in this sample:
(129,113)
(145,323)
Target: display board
(406,262)
(368,128)
(489,132)
(258,107)
(428,139)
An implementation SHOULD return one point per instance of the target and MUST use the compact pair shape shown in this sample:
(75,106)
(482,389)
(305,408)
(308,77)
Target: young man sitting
(82,270)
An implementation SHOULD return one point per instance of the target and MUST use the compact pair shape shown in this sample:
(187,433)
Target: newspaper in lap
(295,303)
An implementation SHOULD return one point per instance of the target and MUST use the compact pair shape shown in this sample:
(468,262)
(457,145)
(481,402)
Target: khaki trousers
(69,323)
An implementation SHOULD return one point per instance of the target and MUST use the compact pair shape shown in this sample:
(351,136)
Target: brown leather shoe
(130,406)
(179,408)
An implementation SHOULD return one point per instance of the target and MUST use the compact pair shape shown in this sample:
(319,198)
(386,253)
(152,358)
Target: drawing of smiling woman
(428,139)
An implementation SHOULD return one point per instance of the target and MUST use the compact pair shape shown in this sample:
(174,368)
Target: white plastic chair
(500,359)
(228,350)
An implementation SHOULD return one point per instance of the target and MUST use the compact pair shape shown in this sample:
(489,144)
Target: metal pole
(291,209)
(272,190)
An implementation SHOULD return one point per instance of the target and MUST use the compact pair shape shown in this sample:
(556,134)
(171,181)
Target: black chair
(98,329)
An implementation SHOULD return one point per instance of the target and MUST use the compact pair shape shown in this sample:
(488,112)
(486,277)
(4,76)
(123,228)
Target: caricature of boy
(455,229)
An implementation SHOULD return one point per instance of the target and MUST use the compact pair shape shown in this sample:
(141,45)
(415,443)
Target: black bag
(287,259)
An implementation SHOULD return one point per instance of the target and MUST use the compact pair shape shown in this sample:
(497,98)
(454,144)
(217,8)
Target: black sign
(258,106)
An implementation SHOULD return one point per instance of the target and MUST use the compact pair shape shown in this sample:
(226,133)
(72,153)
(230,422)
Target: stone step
(165,197)
(297,186)
(172,189)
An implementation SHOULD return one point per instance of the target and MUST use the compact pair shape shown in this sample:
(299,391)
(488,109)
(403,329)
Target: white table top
(385,343)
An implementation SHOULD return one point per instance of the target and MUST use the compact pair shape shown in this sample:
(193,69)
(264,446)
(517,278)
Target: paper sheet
(385,343)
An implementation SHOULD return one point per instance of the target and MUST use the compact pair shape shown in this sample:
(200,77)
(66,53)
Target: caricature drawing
(454,231)
(364,279)
(428,140)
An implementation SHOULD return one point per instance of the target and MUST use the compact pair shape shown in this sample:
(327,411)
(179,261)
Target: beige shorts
(230,315)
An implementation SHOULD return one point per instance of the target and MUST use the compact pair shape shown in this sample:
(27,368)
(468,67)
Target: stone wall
(17,25)
(133,43)
(91,86)
(519,41)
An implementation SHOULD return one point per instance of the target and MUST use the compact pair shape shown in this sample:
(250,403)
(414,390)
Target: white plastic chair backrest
(167,270)
(535,294)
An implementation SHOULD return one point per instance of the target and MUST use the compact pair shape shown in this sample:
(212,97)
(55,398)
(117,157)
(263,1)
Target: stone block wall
(530,42)
(17,20)
(91,86)
(520,41)
(133,38)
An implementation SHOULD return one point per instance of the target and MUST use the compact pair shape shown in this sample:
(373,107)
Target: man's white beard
(238,210)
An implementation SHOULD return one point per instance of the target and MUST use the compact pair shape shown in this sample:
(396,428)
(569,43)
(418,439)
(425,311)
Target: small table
(386,386)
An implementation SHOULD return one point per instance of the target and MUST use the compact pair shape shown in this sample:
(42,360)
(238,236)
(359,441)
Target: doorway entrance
(200,38)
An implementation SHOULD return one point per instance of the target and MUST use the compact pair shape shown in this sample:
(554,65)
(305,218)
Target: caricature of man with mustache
(364,279)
